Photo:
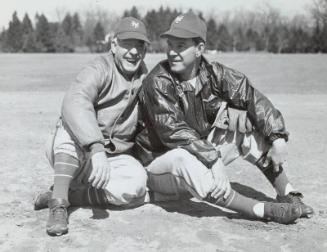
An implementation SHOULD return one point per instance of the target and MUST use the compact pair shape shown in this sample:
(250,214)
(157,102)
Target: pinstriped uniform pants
(127,185)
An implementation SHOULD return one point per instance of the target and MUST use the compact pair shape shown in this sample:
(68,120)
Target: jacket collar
(203,76)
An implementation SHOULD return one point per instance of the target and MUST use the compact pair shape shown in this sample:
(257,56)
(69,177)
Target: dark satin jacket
(176,114)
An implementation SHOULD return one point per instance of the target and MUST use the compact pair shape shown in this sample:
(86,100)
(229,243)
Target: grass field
(31,91)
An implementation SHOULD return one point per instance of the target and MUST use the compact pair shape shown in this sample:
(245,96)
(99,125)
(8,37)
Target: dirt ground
(28,114)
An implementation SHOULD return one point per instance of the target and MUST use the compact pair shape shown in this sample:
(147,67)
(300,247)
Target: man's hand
(278,153)
(100,170)
(239,121)
(221,186)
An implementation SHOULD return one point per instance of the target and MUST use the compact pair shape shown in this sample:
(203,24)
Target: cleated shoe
(283,213)
(296,198)
(42,200)
(58,218)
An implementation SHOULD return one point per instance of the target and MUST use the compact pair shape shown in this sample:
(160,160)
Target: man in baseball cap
(183,149)
(95,133)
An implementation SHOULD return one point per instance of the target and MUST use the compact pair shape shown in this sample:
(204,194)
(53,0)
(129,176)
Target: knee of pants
(179,160)
(137,186)
(133,194)
(128,191)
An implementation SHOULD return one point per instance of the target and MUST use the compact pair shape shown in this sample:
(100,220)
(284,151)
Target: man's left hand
(278,153)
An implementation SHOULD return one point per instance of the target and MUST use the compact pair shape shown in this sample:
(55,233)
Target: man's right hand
(239,121)
(221,186)
(100,174)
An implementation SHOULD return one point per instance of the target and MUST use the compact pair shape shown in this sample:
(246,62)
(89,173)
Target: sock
(65,166)
(247,206)
(259,209)
(289,188)
(88,196)
(238,203)
(278,180)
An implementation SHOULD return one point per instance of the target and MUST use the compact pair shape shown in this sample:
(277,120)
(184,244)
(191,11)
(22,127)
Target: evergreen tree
(98,32)
(135,13)
(67,24)
(62,42)
(212,35)
(77,30)
(14,38)
(150,20)
(29,40)
(316,38)
(3,40)
(132,13)
(27,25)
(282,39)
(272,38)
(252,40)
(238,40)
(225,41)
(43,34)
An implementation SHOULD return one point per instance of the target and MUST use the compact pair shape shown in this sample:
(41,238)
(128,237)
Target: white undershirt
(192,82)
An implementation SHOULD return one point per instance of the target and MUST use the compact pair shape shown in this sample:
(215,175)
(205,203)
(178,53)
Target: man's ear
(200,49)
(114,44)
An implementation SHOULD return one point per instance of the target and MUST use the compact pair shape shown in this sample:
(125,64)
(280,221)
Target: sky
(51,7)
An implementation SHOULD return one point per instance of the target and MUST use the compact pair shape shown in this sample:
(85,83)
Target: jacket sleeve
(167,119)
(237,90)
(78,112)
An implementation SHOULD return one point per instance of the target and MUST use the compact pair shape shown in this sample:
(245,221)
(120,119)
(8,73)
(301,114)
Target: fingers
(107,178)
(215,192)
(228,191)
(221,189)
(92,175)
(98,177)
(102,180)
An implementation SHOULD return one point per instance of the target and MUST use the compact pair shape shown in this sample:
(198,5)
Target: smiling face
(184,56)
(128,54)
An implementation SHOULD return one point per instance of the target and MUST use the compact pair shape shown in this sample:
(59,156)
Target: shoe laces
(281,211)
(59,213)
(296,198)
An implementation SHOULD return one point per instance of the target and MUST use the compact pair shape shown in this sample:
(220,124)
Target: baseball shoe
(42,200)
(296,198)
(58,217)
(283,213)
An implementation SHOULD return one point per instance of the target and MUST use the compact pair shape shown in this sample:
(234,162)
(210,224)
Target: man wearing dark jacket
(96,131)
(200,117)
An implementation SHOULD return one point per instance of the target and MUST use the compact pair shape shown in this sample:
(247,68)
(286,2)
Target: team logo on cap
(178,19)
(135,24)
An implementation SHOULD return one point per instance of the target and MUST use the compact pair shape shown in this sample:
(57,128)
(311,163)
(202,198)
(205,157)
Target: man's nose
(133,51)
(172,52)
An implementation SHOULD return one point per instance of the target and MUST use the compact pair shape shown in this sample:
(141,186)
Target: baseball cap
(187,25)
(131,28)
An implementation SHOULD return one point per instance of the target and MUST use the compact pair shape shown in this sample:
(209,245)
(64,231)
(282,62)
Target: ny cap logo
(178,19)
(135,24)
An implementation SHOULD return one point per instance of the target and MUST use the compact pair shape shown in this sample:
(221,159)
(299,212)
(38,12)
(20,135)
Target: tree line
(261,30)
